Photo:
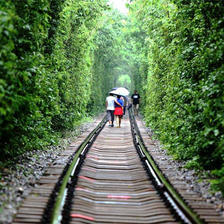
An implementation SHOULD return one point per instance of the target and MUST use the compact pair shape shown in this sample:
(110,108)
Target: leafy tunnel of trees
(59,59)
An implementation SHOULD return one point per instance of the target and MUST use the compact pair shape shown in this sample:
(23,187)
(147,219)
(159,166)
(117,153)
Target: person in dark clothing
(125,100)
(135,101)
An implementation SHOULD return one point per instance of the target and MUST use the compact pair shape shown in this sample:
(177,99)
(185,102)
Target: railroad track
(111,178)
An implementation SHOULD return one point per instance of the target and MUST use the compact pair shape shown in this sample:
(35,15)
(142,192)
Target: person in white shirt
(110,109)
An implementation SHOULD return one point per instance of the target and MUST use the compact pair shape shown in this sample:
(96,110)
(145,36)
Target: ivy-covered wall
(110,56)
(46,59)
(185,73)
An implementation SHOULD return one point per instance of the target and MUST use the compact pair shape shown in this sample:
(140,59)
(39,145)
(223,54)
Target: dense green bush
(22,31)
(184,88)
(73,59)
(110,57)
(46,59)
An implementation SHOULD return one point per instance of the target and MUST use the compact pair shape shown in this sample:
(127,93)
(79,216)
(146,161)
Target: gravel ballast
(195,181)
(18,180)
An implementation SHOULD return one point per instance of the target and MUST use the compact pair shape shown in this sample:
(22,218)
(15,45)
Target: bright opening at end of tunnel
(120,5)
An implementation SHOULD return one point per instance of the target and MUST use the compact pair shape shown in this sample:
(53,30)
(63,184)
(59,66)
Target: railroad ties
(111,187)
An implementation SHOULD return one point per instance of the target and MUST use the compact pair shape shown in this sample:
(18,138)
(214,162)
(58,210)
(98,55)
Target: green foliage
(110,60)
(55,9)
(217,184)
(124,80)
(46,69)
(136,36)
(22,31)
(73,59)
(184,89)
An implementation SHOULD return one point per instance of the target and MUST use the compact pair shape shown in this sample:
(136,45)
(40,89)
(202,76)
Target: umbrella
(120,91)
(114,88)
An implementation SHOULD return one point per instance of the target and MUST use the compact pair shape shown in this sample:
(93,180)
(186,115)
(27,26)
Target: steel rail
(177,203)
(60,198)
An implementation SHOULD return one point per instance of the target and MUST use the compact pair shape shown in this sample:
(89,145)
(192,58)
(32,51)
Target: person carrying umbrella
(121,91)
(118,112)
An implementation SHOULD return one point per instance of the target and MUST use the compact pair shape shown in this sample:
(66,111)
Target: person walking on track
(118,112)
(135,100)
(125,100)
(110,100)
